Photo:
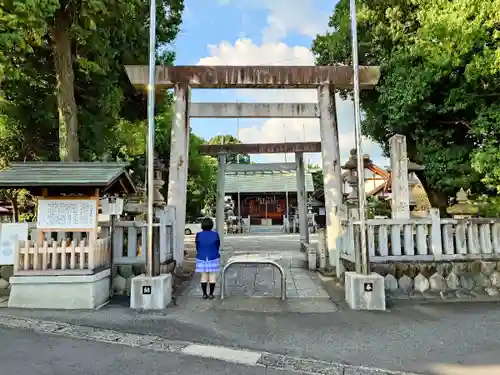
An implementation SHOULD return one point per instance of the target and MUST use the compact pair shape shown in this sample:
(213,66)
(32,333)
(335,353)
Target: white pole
(151,134)
(287,212)
(284,132)
(239,211)
(364,266)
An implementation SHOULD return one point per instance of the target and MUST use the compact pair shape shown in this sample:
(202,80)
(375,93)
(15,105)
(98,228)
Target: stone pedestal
(364,292)
(151,293)
(65,292)
(322,248)
(312,259)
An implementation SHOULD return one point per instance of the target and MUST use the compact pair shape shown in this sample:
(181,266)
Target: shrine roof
(265,182)
(107,176)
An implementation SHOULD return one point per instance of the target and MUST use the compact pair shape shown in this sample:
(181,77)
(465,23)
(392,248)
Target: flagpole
(151,136)
(362,266)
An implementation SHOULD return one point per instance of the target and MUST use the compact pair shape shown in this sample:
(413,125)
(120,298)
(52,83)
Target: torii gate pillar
(332,178)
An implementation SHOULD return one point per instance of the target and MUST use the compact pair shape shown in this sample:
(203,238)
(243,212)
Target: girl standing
(207,256)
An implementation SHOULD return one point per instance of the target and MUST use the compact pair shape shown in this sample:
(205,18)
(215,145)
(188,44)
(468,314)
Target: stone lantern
(137,204)
(412,179)
(351,166)
(159,168)
(463,208)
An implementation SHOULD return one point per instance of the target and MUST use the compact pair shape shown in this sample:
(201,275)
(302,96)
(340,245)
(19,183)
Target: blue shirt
(207,245)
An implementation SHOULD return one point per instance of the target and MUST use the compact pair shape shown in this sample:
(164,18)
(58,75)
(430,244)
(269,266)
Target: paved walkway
(305,292)
(265,281)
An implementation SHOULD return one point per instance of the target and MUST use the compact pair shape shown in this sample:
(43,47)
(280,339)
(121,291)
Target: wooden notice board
(77,214)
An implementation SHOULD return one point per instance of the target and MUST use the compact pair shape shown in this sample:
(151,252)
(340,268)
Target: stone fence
(67,252)
(430,254)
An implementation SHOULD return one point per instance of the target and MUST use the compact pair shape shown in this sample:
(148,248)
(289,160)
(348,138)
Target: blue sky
(260,32)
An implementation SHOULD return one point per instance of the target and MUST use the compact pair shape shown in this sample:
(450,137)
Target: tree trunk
(63,63)
(15,206)
(15,211)
(437,198)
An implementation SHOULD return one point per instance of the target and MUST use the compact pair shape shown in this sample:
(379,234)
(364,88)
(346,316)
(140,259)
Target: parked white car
(192,228)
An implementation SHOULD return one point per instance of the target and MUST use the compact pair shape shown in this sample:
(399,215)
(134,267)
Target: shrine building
(264,195)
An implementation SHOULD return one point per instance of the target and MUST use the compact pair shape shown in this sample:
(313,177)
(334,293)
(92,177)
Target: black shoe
(211,296)
(205,296)
(212,288)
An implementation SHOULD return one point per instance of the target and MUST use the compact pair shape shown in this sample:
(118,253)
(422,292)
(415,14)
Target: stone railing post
(436,235)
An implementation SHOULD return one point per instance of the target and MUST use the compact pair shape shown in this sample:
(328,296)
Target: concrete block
(358,294)
(67,292)
(151,293)
(312,259)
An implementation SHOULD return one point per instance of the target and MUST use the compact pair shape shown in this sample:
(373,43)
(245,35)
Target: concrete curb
(155,343)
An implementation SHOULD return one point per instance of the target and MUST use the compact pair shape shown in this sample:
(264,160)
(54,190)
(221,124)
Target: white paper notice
(10,233)
(111,208)
(59,214)
(322,211)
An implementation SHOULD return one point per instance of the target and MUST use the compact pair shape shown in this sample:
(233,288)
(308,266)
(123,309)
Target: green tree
(317,177)
(62,71)
(64,93)
(229,139)
(202,179)
(439,84)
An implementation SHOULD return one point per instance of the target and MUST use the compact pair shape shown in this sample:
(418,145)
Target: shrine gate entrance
(326,79)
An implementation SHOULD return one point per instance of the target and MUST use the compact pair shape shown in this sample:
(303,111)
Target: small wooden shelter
(66,241)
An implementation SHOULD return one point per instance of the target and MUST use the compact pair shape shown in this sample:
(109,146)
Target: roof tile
(270,182)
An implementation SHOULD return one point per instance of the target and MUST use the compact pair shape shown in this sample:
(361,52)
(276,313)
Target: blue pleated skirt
(207,265)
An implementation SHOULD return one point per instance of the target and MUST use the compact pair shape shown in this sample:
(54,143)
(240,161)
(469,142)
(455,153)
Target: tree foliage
(62,74)
(439,86)
(229,139)
(65,95)
(201,184)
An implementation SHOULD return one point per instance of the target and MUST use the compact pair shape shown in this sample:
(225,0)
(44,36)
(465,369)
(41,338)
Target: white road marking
(225,354)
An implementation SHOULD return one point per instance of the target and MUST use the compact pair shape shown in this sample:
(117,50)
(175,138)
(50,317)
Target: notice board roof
(111,177)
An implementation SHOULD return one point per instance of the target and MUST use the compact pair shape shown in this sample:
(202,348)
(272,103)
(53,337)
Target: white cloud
(287,16)
(245,52)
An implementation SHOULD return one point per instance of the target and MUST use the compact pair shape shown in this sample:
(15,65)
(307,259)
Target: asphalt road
(27,353)
(417,338)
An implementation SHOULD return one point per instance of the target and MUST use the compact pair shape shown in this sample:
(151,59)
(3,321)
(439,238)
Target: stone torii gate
(323,78)
(222,150)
